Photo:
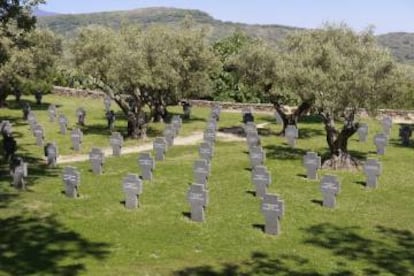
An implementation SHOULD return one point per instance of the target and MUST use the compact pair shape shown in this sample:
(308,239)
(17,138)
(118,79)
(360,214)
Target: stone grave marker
(405,133)
(5,128)
(97,159)
(362,132)
(160,148)
(206,151)
(330,188)
(71,180)
(215,112)
(250,127)
(176,122)
(372,170)
(201,172)
(253,140)
(31,117)
(132,186)
(291,134)
(76,136)
(273,209)
(51,153)
(19,172)
(26,110)
(380,141)
(110,118)
(261,179)
(169,134)
(312,163)
(117,141)
(147,165)
(81,115)
(107,103)
(386,124)
(279,119)
(63,124)
(210,136)
(39,134)
(212,124)
(247,113)
(197,196)
(52,111)
(257,156)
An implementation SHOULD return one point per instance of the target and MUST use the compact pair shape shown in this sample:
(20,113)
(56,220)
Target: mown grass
(370,232)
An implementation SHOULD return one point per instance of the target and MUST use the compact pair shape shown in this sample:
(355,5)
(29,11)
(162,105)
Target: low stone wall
(399,115)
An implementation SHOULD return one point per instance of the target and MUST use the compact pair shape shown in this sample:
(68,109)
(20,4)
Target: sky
(385,15)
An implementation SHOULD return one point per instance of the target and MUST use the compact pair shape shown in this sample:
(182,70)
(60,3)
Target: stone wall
(71,92)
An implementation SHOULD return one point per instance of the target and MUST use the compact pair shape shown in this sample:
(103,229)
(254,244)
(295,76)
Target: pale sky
(385,15)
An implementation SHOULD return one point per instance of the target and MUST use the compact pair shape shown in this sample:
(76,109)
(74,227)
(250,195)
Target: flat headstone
(273,209)
(405,133)
(362,132)
(206,151)
(39,134)
(117,141)
(71,180)
(132,187)
(146,164)
(261,179)
(81,115)
(201,170)
(160,148)
(380,141)
(312,163)
(51,153)
(76,136)
(52,111)
(197,196)
(97,159)
(63,124)
(291,134)
(372,170)
(330,188)
(386,124)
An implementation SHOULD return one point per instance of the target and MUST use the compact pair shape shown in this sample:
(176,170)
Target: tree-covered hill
(401,45)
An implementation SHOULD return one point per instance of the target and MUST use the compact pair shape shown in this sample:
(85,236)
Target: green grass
(371,232)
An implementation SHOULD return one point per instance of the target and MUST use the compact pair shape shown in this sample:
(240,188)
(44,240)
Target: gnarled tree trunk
(292,119)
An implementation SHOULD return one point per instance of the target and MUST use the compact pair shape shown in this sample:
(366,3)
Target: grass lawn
(371,232)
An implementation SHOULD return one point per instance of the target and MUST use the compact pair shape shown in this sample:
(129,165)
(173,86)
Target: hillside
(400,44)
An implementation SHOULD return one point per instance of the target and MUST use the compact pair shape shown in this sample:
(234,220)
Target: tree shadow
(284,153)
(310,119)
(43,246)
(12,104)
(305,133)
(235,130)
(391,253)
(398,143)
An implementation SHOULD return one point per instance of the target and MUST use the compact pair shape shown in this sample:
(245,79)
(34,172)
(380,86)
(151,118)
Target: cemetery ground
(370,232)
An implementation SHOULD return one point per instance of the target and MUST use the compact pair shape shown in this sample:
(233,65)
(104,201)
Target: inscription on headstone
(197,196)
(132,186)
(71,180)
(273,210)
(330,188)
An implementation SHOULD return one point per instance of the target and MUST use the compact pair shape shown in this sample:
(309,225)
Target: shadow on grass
(284,153)
(305,133)
(261,263)
(310,119)
(193,118)
(392,252)
(43,246)
(235,130)
(398,143)
(12,104)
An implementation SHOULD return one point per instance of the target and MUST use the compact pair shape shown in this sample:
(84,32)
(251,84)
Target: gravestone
(38,97)
(81,114)
(247,113)
(117,141)
(5,128)
(257,156)
(51,153)
(215,112)
(147,165)
(71,180)
(39,134)
(386,125)
(76,136)
(273,209)
(176,122)
(169,134)
(160,148)
(312,163)
(279,119)
(291,134)
(380,141)
(31,117)
(19,172)
(210,136)
(362,132)
(110,117)
(206,151)
(132,186)
(197,196)
(253,140)
(63,124)
(330,187)
(405,133)
(97,159)
(201,171)
(52,111)
(26,110)
(372,170)
(261,179)
(107,103)
(250,127)
(212,124)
